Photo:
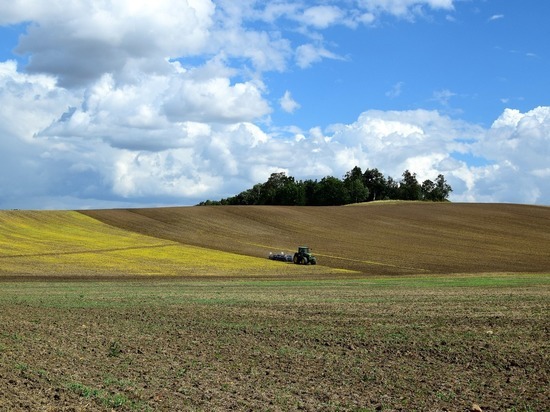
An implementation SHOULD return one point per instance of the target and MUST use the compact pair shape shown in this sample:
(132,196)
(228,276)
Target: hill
(373,238)
(68,244)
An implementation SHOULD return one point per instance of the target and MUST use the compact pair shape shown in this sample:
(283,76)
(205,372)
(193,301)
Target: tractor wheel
(313,262)
(296,260)
(304,260)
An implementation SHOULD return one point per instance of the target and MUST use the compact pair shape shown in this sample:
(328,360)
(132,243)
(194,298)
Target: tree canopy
(356,186)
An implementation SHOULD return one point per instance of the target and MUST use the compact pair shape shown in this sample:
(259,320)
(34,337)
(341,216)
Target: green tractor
(304,256)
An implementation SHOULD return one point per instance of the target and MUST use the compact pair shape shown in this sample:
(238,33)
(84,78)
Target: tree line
(355,187)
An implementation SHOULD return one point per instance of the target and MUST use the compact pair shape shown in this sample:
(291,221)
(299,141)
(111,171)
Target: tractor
(304,256)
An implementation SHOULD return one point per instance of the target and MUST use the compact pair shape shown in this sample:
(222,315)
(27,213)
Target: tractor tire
(296,260)
(313,262)
(304,260)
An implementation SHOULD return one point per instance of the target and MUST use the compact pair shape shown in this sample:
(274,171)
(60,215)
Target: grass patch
(348,344)
(104,398)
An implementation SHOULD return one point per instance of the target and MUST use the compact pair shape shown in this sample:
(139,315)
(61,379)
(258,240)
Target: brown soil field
(386,344)
(447,309)
(374,238)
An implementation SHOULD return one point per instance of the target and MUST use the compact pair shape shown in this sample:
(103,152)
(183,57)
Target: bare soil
(450,307)
(374,238)
(394,344)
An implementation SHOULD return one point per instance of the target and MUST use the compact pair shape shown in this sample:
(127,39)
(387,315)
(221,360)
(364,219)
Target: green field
(336,345)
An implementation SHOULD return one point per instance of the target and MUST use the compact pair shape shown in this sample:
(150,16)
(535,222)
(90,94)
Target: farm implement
(302,257)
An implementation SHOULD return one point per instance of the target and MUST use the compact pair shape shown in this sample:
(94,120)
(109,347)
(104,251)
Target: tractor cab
(304,256)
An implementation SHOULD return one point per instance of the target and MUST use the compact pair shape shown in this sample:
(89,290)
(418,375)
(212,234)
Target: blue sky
(471,62)
(133,103)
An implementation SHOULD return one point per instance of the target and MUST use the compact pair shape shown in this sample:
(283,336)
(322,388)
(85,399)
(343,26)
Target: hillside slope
(375,238)
(67,244)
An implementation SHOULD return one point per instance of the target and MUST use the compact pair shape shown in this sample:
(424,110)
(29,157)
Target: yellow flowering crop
(66,243)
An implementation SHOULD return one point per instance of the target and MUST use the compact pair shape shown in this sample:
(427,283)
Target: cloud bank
(131,103)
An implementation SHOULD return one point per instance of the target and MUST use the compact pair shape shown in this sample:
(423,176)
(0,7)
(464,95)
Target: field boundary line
(81,252)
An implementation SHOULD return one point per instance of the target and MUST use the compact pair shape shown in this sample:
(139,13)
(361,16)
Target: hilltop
(373,238)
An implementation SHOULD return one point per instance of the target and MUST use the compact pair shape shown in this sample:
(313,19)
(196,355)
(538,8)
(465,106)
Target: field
(71,245)
(375,238)
(434,308)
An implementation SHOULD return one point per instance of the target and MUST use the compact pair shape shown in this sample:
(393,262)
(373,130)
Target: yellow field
(64,243)
(375,240)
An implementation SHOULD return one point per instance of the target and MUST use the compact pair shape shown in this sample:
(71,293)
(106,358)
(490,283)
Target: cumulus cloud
(288,104)
(215,100)
(519,143)
(419,140)
(79,42)
(34,169)
(322,16)
(131,103)
(83,156)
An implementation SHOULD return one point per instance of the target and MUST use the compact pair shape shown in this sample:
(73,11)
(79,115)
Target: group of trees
(356,186)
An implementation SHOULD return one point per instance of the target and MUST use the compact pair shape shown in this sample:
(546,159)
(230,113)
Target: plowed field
(394,238)
(413,307)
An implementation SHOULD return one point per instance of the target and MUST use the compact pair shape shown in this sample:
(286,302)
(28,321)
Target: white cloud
(322,16)
(496,17)
(393,141)
(170,174)
(215,100)
(135,103)
(83,156)
(288,104)
(395,91)
(518,147)
(19,92)
(307,54)
(443,96)
(78,42)
(405,8)
(522,139)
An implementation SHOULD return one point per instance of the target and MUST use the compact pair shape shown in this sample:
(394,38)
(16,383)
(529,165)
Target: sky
(134,103)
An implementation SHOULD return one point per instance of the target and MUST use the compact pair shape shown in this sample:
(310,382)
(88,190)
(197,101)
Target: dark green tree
(390,189)
(331,191)
(356,186)
(283,190)
(292,193)
(428,190)
(442,188)
(409,188)
(353,174)
(436,192)
(375,182)
(310,192)
(353,181)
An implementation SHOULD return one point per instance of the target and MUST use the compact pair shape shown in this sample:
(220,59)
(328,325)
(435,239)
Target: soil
(448,311)
(344,345)
(373,238)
